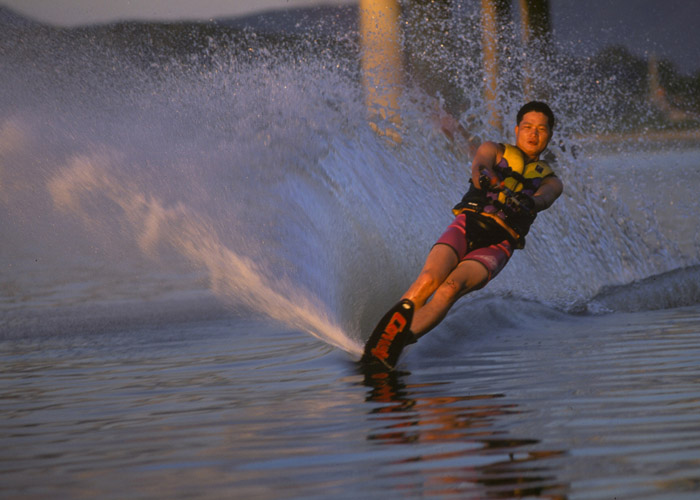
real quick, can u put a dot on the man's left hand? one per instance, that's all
(522, 202)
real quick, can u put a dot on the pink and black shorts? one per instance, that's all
(493, 257)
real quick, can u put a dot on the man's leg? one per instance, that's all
(468, 276)
(441, 261)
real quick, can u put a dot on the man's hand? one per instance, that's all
(521, 203)
(488, 181)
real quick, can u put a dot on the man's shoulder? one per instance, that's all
(492, 149)
(500, 146)
(493, 145)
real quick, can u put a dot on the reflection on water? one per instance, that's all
(594, 408)
(478, 458)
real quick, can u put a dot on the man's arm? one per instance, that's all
(486, 157)
(547, 193)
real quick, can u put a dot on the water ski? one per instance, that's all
(391, 335)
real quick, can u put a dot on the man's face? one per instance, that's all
(532, 133)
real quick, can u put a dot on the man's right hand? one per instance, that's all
(488, 181)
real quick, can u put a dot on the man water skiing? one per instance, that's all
(509, 186)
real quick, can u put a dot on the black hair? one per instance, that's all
(540, 107)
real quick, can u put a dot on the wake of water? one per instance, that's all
(251, 163)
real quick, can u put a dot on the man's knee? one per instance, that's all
(449, 291)
(469, 276)
(475, 275)
(427, 281)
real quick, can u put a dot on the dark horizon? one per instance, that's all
(632, 24)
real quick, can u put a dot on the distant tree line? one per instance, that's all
(442, 56)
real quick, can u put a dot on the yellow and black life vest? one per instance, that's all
(515, 174)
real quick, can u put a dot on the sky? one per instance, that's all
(73, 12)
(667, 28)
